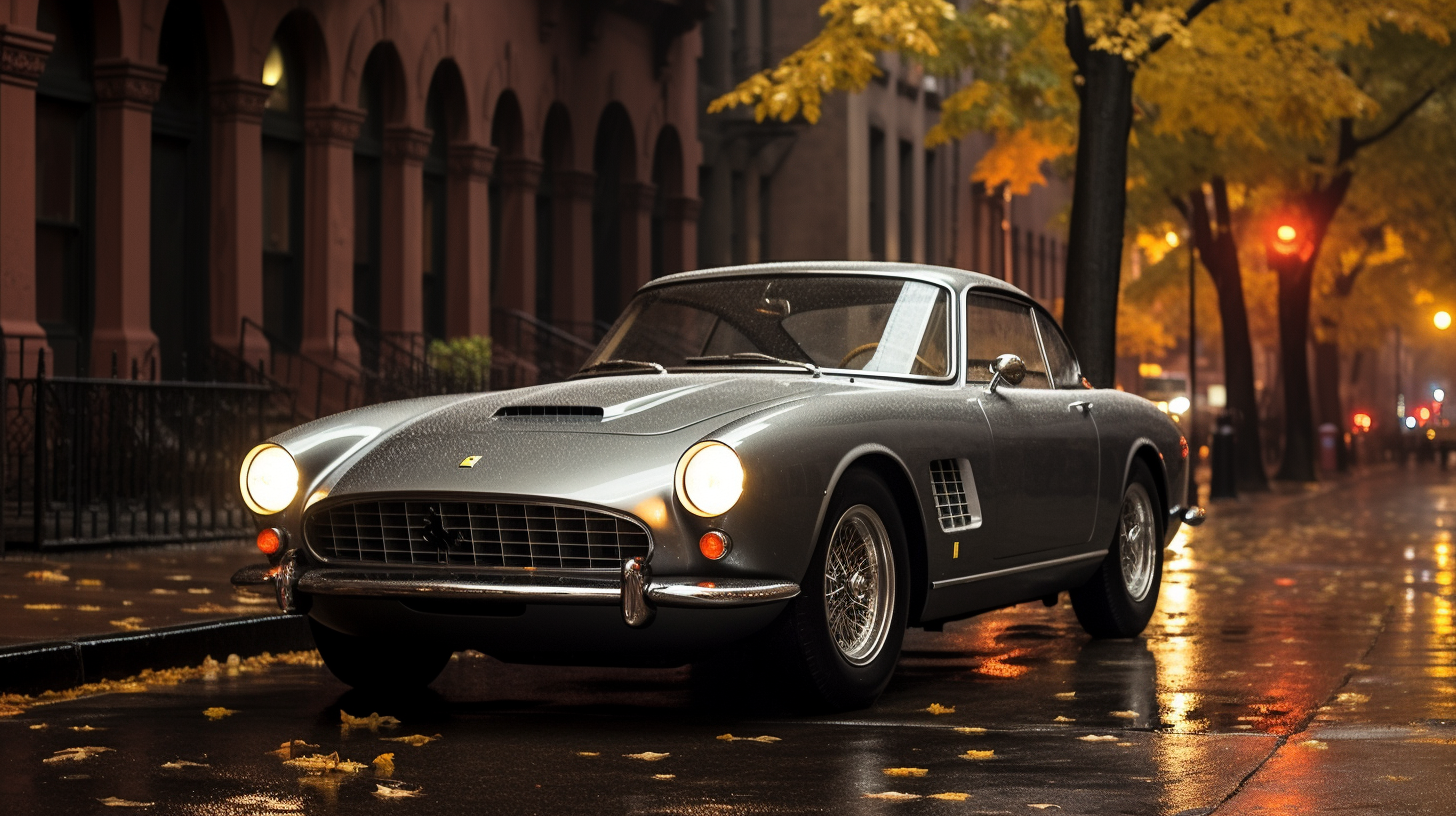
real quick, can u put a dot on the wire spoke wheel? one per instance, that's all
(1137, 542)
(859, 585)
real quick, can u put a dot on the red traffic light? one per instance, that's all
(1362, 421)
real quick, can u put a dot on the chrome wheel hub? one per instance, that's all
(1137, 540)
(859, 585)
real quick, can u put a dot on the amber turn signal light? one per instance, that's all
(270, 540)
(714, 545)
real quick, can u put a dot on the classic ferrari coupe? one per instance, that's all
(804, 458)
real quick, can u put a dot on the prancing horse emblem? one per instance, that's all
(445, 540)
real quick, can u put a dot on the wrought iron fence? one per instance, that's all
(92, 461)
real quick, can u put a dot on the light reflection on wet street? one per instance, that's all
(1303, 659)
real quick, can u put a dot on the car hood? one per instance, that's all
(602, 440)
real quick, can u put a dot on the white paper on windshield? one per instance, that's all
(904, 330)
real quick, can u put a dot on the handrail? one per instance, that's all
(276, 347)
(542, 326)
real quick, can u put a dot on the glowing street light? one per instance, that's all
(1172, 239)
(1410, 422)
(1439, 394)
(1287, 233)
(1442, 320)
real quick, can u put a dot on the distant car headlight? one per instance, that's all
(709, 479)
(269, 479)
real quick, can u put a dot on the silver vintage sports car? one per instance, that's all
(807, 457)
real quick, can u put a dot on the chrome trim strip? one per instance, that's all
(966, 579)
(679, 592)
(716, 593)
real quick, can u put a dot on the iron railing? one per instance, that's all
(113, 461)
(553, 353)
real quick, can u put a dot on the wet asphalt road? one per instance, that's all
(1303, 659)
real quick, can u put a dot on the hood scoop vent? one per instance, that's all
(579, 413)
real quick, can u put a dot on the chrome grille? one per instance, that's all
(951, 505)
(474, 534)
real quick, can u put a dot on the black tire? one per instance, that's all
(371, 665)
(836, 678)
(1116, 603)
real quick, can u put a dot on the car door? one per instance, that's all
(1044, 438)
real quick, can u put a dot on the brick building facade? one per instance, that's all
(188, 175)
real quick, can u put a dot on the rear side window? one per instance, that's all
(1060, 362)
(994, 327)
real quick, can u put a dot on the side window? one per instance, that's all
(1060, 362)
(994, 327)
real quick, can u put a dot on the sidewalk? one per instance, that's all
(81, 616)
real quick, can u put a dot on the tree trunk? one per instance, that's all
(1295, 276)
(1220, 254)
(1099, 203)
(1327, 391)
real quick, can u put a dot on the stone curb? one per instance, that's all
(37, 667)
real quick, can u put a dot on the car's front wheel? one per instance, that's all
(374, 665)
(1118, 601)
(845, 628)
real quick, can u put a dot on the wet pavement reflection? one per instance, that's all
(1303, 659)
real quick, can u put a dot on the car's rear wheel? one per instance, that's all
(374, 665)
(1118, 601)
(845, 628)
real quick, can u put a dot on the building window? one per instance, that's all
(906, 213)
(877, 194)
(932, 251)
(283, 195)
(433, 224)
(64, 185)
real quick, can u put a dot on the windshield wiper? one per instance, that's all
(751, 357)
(621, 364)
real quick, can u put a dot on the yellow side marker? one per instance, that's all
(955, 550)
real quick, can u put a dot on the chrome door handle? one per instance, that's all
(1081, 405)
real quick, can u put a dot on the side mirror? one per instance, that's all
(1007, 368)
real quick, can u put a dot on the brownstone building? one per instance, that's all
(278, 176)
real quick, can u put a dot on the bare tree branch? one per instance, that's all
(1349, 148)
(1198, 7)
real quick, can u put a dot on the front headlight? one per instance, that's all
(709, 479)
(269, 479)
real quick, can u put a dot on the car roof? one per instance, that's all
(957, 279)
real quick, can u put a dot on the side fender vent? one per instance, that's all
(956, 501)
(584, 413)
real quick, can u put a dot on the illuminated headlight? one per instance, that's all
(709, 479)
(269, 479)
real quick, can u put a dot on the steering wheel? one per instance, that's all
(858, 350)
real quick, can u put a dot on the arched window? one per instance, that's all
(667, 164)
(180, 200)
(556, 157)
(506, 137)
(283, 187)
(613, 163)
(381, 98)
(444, 117)
(65, 180)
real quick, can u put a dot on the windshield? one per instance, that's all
(871, 324)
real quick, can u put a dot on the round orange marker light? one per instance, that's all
(270, 540)
(714, 545)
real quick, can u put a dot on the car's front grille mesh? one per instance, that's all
(950, 495)
(474, 534)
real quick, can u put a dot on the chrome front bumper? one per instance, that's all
(638, 593)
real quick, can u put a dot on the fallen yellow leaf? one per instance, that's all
(664, 776)
(1315, 744)
(966, 729)
(48, 576)
(1352, 698)
(86, 728)
(937, 708)
(77, 754)
(978, 755)
(218, 712)
(896, 795)
(90, 582)
(415, 740)
(1063, 719)
(647, 756)
(1044, 807)
(588, 753)
(178, 764)
(325, 762)
(905, 771)
(394, 792)
(287, 750)
(371, 722)
(88, 608)
(1398, 778)
(384, 765)
(44, 607)
(950, 796)
(112, 801)
(1065, 695)
(132, 624)
(1126, 715)
(1095, 738)
(764, 738)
